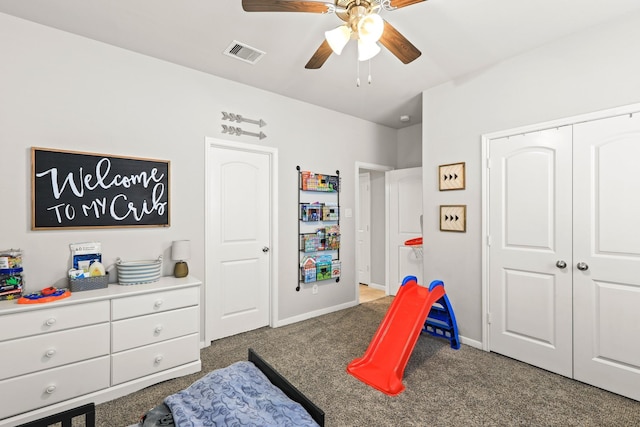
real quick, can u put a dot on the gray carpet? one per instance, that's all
(444, 387)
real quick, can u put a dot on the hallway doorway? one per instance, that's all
(370, 216)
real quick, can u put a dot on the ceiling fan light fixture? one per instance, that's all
(367, 50)
(370, 27)
(338, 38)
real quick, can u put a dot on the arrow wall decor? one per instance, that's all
(453, 218)
(239, 119)
(237, 131)
(234, 130)
(452, 177)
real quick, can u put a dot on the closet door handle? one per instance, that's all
(561, 264)
(582, 266)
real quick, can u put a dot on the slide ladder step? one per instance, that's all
(441, 322)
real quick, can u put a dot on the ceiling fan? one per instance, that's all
(362, 23)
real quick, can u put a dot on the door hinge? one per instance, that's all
(489, 240)
(488, 163)
(488, 318)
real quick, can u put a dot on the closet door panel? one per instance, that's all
(530, 229)
(607, 254)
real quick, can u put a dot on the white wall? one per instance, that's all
(588, 71)
(62, 91)
(410, 147)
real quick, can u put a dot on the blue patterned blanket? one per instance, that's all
(238, 395)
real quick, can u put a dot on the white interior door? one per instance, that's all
(364, 229)
(238, 240)
(405, 211)
(530, 299)
(607, 243)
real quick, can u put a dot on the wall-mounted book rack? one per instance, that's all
(318, 227)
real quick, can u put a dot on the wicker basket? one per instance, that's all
(139, 272)
(89, 283)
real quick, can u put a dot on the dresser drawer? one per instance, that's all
(144, 330)
(156, 302)
(44, 388)
(131, 364)
(51, 319)
(55, 349)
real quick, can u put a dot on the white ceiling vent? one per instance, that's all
(244, 52)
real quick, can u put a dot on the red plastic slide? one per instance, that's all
(382, 365)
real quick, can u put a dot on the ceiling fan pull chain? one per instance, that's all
(358, 73)
(369, 72)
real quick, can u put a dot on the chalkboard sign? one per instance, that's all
(71, 189)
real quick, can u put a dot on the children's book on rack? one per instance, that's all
(324, 239)
(311, 212)
(319, 212)
(308, 269)
(318, 182)
(320, 267)
(323, 267)
(330, 212)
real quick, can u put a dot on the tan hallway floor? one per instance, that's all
(369, 294)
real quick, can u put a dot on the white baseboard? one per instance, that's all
(470, 342)
(312, 314)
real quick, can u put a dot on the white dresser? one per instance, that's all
(96, 346)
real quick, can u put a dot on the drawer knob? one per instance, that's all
(50, 322)
(158, 359)
(158, 329)
(50, 389)
(158, 303)
(50, 353)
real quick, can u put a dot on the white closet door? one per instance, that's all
(607, 242)
(239, 261)
(530, 233)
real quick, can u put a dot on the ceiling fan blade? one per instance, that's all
(285, 6)
(397, 4)
(398, 44)
(319, 57)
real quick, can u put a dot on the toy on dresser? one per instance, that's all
(45, 295)
(11, 281)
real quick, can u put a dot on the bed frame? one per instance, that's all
(289, 389)
(65, 418)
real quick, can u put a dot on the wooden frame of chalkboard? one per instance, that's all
(72, 189)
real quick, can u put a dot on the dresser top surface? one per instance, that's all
(114, 290)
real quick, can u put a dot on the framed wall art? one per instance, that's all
(453, 218)
(71, 189)
(452, 177)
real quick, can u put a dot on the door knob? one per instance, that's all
(561, 264)
(265, 249)
(582, 266)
